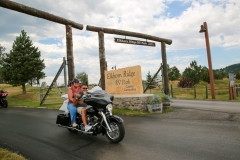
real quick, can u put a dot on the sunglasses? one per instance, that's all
(85, 88)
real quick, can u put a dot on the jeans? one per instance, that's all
(73, 111)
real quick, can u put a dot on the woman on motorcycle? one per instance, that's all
(72, 91)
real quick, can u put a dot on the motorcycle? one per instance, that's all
(3, 98)
(99, 116)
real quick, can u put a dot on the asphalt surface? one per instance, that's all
(183, 134)
(208, 105)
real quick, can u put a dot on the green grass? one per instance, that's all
(128, 112)
(32, 97)
(8, 155)
(168, 110)
(221, 91)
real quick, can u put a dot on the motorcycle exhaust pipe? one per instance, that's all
(59, 125)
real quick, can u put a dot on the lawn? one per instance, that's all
(54, 100)
(221, 91)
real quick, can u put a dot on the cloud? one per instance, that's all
(152, 18)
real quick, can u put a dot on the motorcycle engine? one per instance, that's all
(91, 120)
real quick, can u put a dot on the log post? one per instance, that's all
(70, 59)
(165, 69)
(102, 58)
(38, 13)
(128, 33)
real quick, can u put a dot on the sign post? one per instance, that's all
(232, 92)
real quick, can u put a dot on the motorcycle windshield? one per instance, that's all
(98, 98)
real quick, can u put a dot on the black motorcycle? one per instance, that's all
(3, 98)
(99, 116)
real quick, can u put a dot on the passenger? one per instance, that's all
(75, 88)
(82, 107)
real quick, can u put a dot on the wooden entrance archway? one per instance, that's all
(102, 58)
(69, 24)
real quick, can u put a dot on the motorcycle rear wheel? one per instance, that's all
(5, 103)
(117, 133)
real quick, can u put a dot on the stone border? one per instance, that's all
(131, 101)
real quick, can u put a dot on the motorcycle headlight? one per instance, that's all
(109, 108)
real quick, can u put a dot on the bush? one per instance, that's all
(185, 83)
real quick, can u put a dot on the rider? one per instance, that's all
(82, 107)
(75, 88)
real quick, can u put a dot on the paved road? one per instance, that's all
(184, 134)
(222, 106)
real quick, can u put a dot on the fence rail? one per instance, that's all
(202, 92)
(54, 97)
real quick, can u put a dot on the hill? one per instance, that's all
(235, 68)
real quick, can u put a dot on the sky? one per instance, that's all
(178, 20)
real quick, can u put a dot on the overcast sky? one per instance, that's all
(178, 20)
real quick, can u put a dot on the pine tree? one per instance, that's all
(2, 49)
(23, 63)
(148, 80)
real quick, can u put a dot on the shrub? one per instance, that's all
(185, 83)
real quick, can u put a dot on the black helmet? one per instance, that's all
(75, 80)
(70, 83)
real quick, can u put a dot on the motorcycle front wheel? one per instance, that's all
(117, 133)
(5, 103)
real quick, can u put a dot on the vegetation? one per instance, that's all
(235, 68)
(128, 112)
(17, 66)
(2, 49)
(8, 155)
(83, 77)
(165, 98)
(221, 90)
(173, 73)
(168, 110)
(238, 75)
(154, 100)
(152, 84)
(185, 83)
(196, 73)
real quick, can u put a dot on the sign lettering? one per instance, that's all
(136, 42)
(124, 81)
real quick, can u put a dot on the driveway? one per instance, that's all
(183, 134)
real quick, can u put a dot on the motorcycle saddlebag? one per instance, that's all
(63, 120)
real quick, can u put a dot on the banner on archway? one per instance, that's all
(124, 81)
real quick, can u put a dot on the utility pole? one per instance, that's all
(204, 29)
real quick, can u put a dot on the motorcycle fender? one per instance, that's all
(116, 118)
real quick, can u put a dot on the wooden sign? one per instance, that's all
(136, 42)
(124, 81)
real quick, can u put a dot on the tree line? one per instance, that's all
(192, 75)
(23, 66)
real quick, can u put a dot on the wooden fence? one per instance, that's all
(222, 93)
(54, 97)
